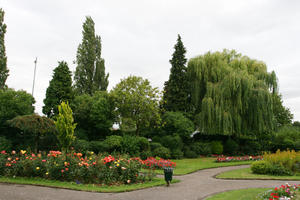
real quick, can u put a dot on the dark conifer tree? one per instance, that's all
(60, 89)
(176, 89)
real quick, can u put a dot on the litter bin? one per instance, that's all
(168, 172)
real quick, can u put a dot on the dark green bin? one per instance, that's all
(168, 172)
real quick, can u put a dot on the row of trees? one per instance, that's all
(221, 93)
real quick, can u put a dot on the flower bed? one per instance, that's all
(71, 167)
(157, 163)
(284, 192)
(237, 158)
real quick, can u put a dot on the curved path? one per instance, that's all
(193, 186)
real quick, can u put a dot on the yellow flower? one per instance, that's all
(92, 152)
(118, 165)
(37, 168)
(90, 158)
(65, 163)
(47, 173)
(23, 151)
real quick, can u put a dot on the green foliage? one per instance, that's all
(98, 146)
(283, 115)
(33, 125)
(65, 126)
(94, 114)
(155, 145)
(231, 94)
(176, 89)
(5, 144)
(201, 148)
(114, 142)
(177, 154)
(162, 152)
(177, 123)
(172, 142)
(90, 71)
(60, 89)
(188, 153)
(286, 137)
(3, 59)
(81, 146)
(260, 167)
(137, 104)
(14, 103)
(216, 147)
(231, 147)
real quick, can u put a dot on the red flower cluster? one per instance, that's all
(54, 153)
(237, 158)
(283, 192)
(158, 163)
(108, 159)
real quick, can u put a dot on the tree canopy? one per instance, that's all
(231, 94)
(137, 103)
(60, 89)
(94, 114)
(33, 124)
(282, 115)
(3, 59)
(90, 71)
(175, 96)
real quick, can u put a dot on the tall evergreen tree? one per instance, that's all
(3, 59)
(59, 90)
(90, 71)
(176, 89)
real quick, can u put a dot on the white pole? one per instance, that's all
(34, 75)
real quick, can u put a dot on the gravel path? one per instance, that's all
(193, 186)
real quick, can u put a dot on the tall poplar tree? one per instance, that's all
(3, 59)
(232, 94)
(59, 90)
(90, 71)
(176, 89)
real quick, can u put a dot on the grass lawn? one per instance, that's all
(247, 174)
(84, 187)
(186, 166)
(245, 194)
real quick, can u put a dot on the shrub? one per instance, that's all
(279, 170)
(98, 146)
(130, 145)
(172, 142)
(188, 153)
(143, 144)
(250, 147)
(162, 152)
(158, 163)
(231, 147)
(260, 167)
(114, 142)
(201, 148)
(285, 158)
(145, 154)
(5, 144)
(155, 145)
(177, 154)
(216, 147)
(81, 146)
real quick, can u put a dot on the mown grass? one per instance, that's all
(246, 173)
(244, 194)
(84, 187)
(186, 166)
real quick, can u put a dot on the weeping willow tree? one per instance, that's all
(231, 94)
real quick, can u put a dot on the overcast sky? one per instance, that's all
(138, 37)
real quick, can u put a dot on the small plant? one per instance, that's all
(284, 192)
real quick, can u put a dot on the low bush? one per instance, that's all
(231, 147)
(285, 158)
(158, 163)
(5, 144)
(114, 142)
(155, 145)
(71, 167)
(177, 154)
(188, 153)
(217, 147)
(260, 167)
(98, 147)
(145, 154)
(162, 152)
(201, 148)
(284, 192)
(81, 146)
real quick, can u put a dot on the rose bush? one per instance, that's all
(55, 165)
(284, 192)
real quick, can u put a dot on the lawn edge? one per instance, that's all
(174, 181)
